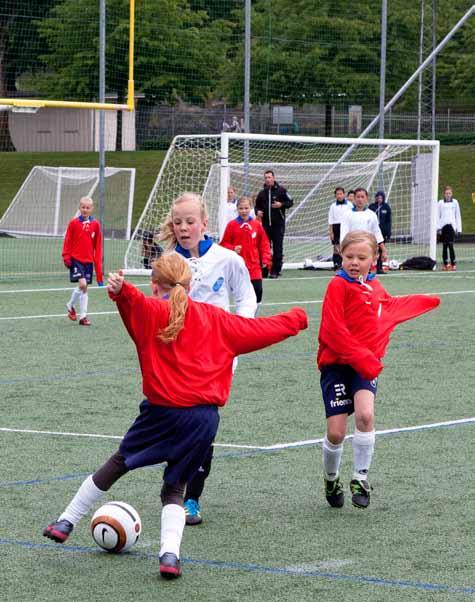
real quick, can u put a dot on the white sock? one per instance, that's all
(258, 308)
(363, 448)
(331, 458)
(83, 305)
(173, 523)
(86, 496)
(74, 297)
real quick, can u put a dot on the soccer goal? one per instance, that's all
(33, 226)
(310, 168)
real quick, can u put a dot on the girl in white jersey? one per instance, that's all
(449, 223)
(218, 275)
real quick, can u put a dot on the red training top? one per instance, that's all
(196, 368)
(254, 242)
(357, 321)
(83, 242)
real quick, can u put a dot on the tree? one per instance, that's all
(18, 38)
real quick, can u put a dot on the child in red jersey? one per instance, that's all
(358, 316)
(247, 237)
(82, 250)
(186, 351)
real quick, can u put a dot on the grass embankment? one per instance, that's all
(456, 169)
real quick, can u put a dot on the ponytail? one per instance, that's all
(172, 272)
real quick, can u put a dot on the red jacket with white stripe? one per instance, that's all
(255, 246)
(83, 242)
(357, 321)
(196, 368)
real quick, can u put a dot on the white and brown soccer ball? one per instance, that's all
(116, 526)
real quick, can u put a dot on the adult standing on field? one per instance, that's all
(271, 203)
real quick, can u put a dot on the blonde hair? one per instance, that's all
(167, 234)
(86, 199)
(172, 272)
(245, 198)
(358, 236)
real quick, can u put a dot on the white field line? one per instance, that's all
(460, 275)
(278, 303)
(275, 447)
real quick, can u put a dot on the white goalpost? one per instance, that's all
(33, 226)
(310, 168)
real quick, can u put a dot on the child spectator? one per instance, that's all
(246, 236)
(449, 222)
(358, 316)
(335, 215)
(383, 213)
(232, 211)
(82, 249)
(184, 383)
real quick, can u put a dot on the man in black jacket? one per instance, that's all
(383, 212)
(271, 203)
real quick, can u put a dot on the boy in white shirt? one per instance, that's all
(362, 218)
(335, 215)
(449, 222)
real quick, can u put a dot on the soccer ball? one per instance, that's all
(116, 526)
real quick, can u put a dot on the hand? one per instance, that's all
(276, 205)
(68, 263)
(238, 248)
(260, 214)
(114, 282)
(384, 256)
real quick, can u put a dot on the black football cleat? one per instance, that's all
(59, 531)
(170, 567)
(334, 493)
(360, 493)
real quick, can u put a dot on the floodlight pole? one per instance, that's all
(102, 94)
(382, 78)
(247, 90)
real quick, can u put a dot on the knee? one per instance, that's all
(336, 436)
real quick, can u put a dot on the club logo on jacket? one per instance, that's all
(218, 284)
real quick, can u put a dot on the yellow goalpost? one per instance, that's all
(38, 103)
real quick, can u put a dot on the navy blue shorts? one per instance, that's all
(339, 384)
(80, 270)
(179, 436)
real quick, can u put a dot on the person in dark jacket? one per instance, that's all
(383, 213)
(271, 203)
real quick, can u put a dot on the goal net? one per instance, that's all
(310, 168)
(32, 228)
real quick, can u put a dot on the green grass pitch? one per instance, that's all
(268, 534)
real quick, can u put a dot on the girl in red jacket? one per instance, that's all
(247, 237)
(358, 316)
(186, 351)
(82, 251)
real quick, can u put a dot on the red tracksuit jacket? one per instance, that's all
(357, 321)
(196, 368)
(83, 242)
(254, 242)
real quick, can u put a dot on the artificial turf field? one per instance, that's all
(69, 393)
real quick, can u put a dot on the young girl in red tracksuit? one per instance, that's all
(186, 351)
(247, 237)
(82, 251)
(358, 316)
